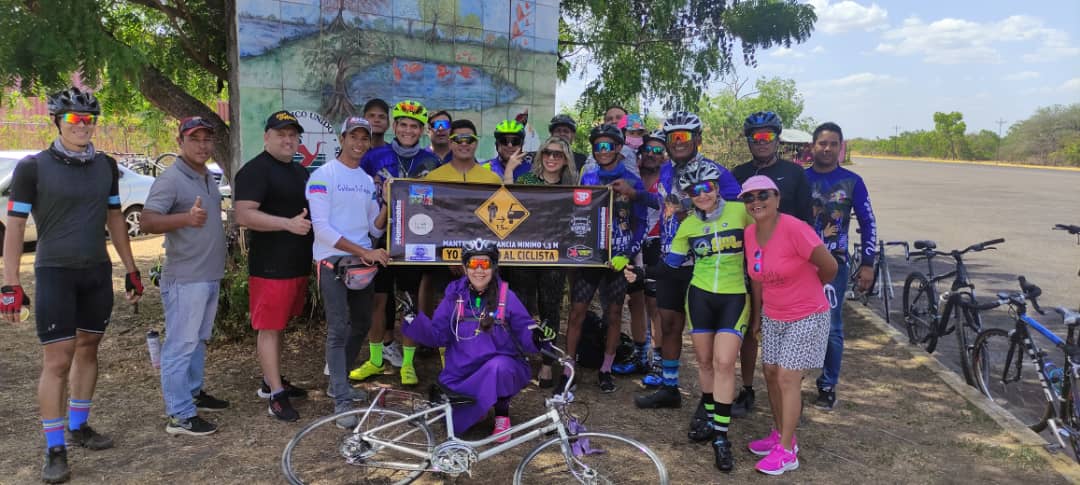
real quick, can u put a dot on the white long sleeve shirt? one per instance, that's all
(343, 204)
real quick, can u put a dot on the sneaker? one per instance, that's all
(86, 437)
(607, 383)
(281, 408)
(724, 458)
(502, 423)
(349, 421)
(408, 376)
(763, 446)
(655, 377)
(293, 391)
(353, 394)
(826, 400)
(778, 461)
(665, 397)
(193, 426)
(206, 402)
(56, 468)
(743, 404)
(367, 369)
(391, 353)
(326, 370)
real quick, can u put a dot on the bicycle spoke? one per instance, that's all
(595, 458)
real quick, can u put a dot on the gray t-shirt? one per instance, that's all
(191, 253)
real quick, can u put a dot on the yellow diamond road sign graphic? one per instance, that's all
(502, 212)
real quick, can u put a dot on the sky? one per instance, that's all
(876, 68)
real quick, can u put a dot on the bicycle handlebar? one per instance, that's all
(907, 248)
(1028, 292)
(1067, 227)
(983, 245)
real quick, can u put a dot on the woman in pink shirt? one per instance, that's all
(788, 267)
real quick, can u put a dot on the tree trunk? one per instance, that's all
(174, 101)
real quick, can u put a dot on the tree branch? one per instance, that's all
(175, 16)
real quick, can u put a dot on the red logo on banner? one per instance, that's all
(582, 197)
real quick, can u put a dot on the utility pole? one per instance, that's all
(999, 122)
(896, 139)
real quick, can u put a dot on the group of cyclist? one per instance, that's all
(755, 256)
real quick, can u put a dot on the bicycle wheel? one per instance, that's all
(611, 460)
(965, 337)
(997, 361)
(1070, 413)
(324, 453)
(882, 282)
(920, 311)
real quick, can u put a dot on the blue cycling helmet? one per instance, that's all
(762, 119)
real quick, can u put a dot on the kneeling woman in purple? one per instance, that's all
(486, 332)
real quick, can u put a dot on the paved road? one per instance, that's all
(958, 205)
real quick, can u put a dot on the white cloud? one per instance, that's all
(1071, 85)
(845, 16)
(856, 80)
(1021, 76)
(818, 50)
(787, 52)
(955, 41)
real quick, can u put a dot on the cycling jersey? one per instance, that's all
(383, 164)
(717, 249)
(789, 178)
(497, 166)
(677, 203)
(835, 194)
(628, 216)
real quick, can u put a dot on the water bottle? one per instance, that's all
(1055, 374)
(153, 344)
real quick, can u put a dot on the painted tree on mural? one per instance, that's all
(669, 50)
(346, 44)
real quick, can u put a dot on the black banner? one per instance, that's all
(534, 225)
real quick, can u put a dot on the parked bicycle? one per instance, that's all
(998, 362)
(389, 446)
(882, 286)
(925, 325)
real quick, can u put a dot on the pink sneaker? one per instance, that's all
(778, 461)
(765, 445)
(502, 423)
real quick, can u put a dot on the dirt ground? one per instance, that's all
(895, 423)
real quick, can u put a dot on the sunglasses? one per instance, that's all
(510, 141)
(706, 187)
(681, 136)
(478, 264)
(603, 147)
(763, 137)
(440, 125)
(464, 139)
(556, 154)
(76, 118)
(761, 195)
(654, 149)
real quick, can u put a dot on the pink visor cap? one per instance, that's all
(758, 182)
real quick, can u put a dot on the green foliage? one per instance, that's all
(724, 113)
(233, 315)
(950, 127)
(1049, 136)
(669, 50)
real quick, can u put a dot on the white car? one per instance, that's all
(134, 189)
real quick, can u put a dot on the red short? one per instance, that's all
(274, 301)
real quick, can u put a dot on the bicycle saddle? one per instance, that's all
(925, 244)
(441, 393)
(1068, 316)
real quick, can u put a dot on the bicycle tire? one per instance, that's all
(882, 284)
(327, 455)
(623, 461)
(966, 332)
(920, 311)
(997, 362)
(1070, 413)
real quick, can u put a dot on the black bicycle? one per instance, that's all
(925, 325)
(882, 285)
(998, 363)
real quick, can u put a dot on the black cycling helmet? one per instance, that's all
(682, 120)
(73, 100)
(479, 247)
(610, 131)
(697, 172)
(562, 120)
(762, 119)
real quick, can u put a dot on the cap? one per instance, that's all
(191, 124)
(758, 182)
(282, 119)
(353, 122)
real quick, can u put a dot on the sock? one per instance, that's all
(710, 405)
(671, 372)
(608, 360)
(78, 412)
(502, 407)
(656, 355)
(375, 351)
(641, 350)
(722, 419)
(54, 432)
(407, 353)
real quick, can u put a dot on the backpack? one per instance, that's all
(590, 351)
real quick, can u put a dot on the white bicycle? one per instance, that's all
(389, 446)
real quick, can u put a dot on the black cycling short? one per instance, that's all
(650, 255)
(671, 290)
(708, 312)
(69, 299)
(612, 286)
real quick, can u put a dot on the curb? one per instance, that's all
(1060, 462)
(969, 162)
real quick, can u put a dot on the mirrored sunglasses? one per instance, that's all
(706, 187)
(762, 137)
(603, 147)
(681, 136)
(476, 263)
(464, 139)
(76, 118)
(440, 125)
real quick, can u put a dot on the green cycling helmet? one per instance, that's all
(509, 127)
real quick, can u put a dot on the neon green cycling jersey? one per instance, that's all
(717, 248)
